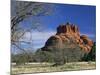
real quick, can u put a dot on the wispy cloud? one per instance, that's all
(38, 38)
(89, 35)
(42, 35)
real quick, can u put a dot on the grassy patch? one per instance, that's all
(46, 67)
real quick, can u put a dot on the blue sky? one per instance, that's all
(81, 15)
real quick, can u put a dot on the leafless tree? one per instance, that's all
(21, 10)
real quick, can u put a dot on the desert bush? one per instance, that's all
(91, 56)
(43, 56)
(20, 59)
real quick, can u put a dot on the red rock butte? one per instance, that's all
(70, 32)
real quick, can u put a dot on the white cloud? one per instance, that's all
(42, 35)
(38, 38)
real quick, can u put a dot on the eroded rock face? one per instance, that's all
(68, 35)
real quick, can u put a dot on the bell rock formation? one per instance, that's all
(68, 35)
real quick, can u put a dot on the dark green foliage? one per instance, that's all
(20, 58)
(73, 54)
(91, 56)
(43, 56)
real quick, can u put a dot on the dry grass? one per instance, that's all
(46, 67)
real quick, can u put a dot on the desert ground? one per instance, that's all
(47, 67)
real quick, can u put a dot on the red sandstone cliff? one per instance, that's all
(69, 33)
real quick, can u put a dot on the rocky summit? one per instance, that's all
(68, 35)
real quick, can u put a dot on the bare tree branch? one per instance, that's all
(23, 10)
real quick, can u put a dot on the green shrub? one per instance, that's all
(91, 56)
